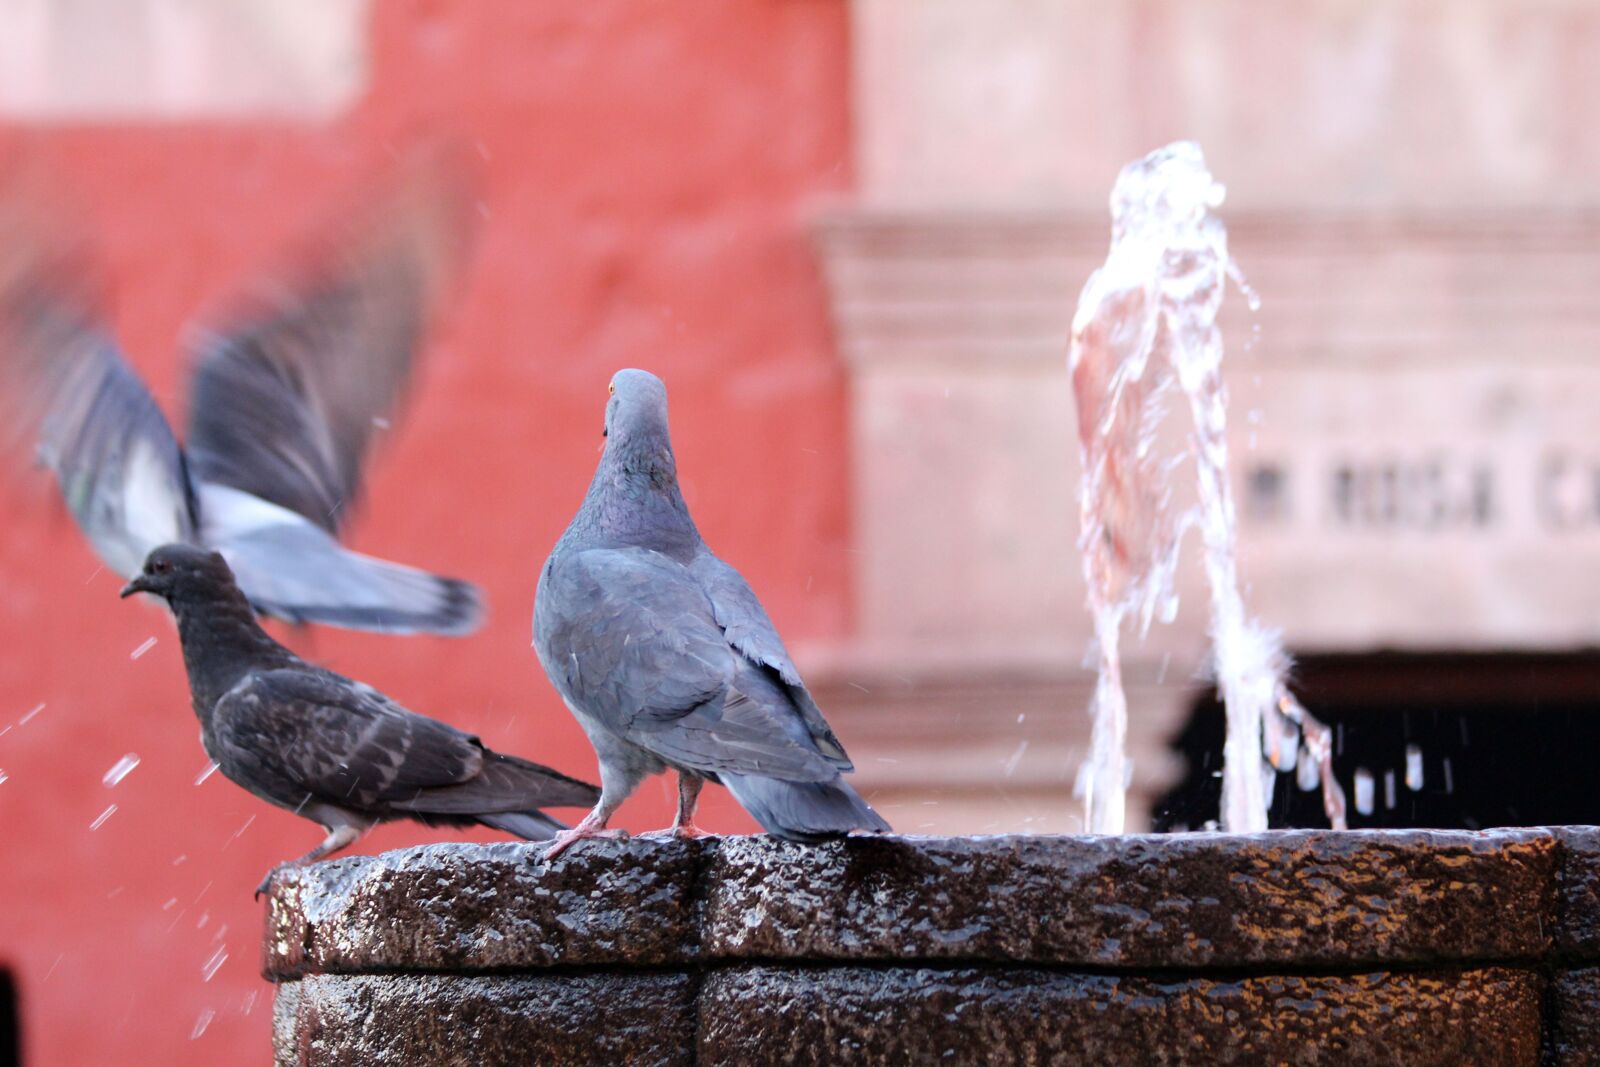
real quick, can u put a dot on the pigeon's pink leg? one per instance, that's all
(683, 826)
(339, 837)
(593, 825)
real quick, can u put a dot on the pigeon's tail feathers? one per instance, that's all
(505, 786)
(294, 571)
(532, 825)
(547, 787)
(803, 811)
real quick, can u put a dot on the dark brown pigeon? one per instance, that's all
(324, 746)
(667, 658)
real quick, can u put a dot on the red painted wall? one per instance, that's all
(649, 168)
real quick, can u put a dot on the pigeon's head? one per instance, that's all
(175, 570)
(637, 410)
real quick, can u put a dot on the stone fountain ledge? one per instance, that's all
(1413, 947)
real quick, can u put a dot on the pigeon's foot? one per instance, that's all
(567, 838)
(338, 837)
(678, 832)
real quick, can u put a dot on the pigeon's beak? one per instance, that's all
(135, 586)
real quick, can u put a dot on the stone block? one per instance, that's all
(1574, 1019)
(467, 908)
(1578, 905)
(853, 1015)
(1309, 899)
(484, 1021)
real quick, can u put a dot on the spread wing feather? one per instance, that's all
(65, 390)
(290, 390)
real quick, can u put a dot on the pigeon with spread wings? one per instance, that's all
(287, 392)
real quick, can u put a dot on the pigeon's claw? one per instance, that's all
(266, 883)
(678, 832)
(566, 838)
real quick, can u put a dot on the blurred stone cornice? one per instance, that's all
(966, 288)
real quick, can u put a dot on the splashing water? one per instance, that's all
(1146, 326)
(120, 770)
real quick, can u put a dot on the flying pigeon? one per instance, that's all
(323, 746)
(666, 657)
(286, 394)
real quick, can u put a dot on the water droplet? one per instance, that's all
(1449, 777)
(239, 832)
(1414, 767)
(1016, 758)
(3, 777)
(1388, 789)
(209, 969)
(104, 815)
(206, 772)
(120, 770)
(146, 646)
(1307, 775)
(1364, 790)
(28, 716)
(201, 1023)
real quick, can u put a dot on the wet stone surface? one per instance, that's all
(1578, 907)
(1304, 947)
(1310, 898)
(1575, 1019)
(445, 1021)
(973, 1016)
(465, 908)
(1175, 901)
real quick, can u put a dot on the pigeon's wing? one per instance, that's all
(295, 571)
(289, 390)
(747, 628)
(65, 390)
(341, 742)
(629, 636)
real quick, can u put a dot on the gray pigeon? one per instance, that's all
(284, 402)
(323, 746)
(667, 658)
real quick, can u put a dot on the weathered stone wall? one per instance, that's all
(1405, 947)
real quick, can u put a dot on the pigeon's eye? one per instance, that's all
(160, 566)
(611, 390)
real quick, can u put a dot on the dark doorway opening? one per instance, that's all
(10, 1023)
(1449, 741)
